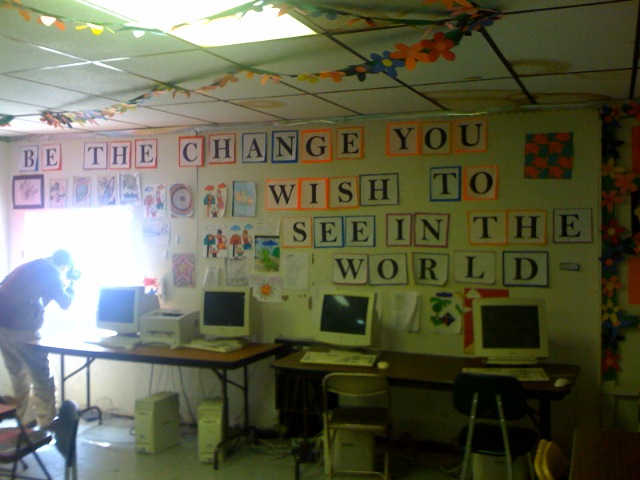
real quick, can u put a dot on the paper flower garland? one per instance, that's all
(462, 19)
(616, 244)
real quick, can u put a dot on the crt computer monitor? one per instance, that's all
(225, 312)
(510, 330)
(120, 308)
(345, 318)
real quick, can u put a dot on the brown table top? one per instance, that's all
(600, 454)
(186, 357)
(432, 371)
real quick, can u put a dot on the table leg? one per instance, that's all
(545, 418)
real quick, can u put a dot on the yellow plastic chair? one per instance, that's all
(375, 420)
(550, 462)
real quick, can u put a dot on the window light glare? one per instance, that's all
(248, 28)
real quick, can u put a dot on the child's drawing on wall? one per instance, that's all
(215, 241)
(106, 190)
(154, 201)
(267, 254)
(240, 241)
(215, 200)
(57, 192)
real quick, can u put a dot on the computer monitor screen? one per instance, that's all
(120, 308)
(225, 312)
(346, 318)
(510, 330)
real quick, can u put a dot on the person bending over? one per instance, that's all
(24, 294)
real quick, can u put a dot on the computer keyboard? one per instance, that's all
(339, 357)
(524, 374)
(117, 341)
(219, 346)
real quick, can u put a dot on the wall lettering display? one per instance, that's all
(403, 139)
(530, 269)
(314, 193)
(327, 194)
(316, 146)
(379, 189)
(572, 225)
(120, 155)
(431, 230)
(191, 151)
(146, 153)
(480, 183)
(474, 267)
(351, 269)
(470, 135)
(349, 143)
(444, 184)
(222, 148)
(282, 195)
(436, 138)
(95, 155)
(527, 227)
(388, 269)
(297, 232)
(343, 192)
(360, 231)
(254, 147)
(328, 232)
(28, 159)
(509, 227)
(487, 227)
(51, 157)
(399, 229)
(284, 146)
(430, 268)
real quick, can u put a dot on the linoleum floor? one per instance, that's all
(107, 452)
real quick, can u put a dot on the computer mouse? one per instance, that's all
(562, 382)
(382, 365)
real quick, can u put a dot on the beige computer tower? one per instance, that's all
(211, 429)
(352, 450)
(157, 422)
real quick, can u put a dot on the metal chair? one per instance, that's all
(18, 442)
(376, 420)
(493, 403)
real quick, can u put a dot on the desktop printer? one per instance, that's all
(168, 327)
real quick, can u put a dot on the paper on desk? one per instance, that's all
(404, 312)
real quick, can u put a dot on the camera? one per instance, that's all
(73, 274)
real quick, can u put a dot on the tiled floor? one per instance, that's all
(107, 452)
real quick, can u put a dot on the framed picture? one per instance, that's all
(28, 191)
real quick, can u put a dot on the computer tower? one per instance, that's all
(211, 429)
(352, 450)
(157, 422)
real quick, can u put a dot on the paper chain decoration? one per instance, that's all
(462, 20)
(616, 183)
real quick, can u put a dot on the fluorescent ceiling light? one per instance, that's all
(235, 29)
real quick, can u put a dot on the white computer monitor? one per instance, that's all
(120, 308)
(225, 312)
(346, 318)
(510, 330)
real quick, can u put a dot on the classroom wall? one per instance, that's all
(572, 296)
